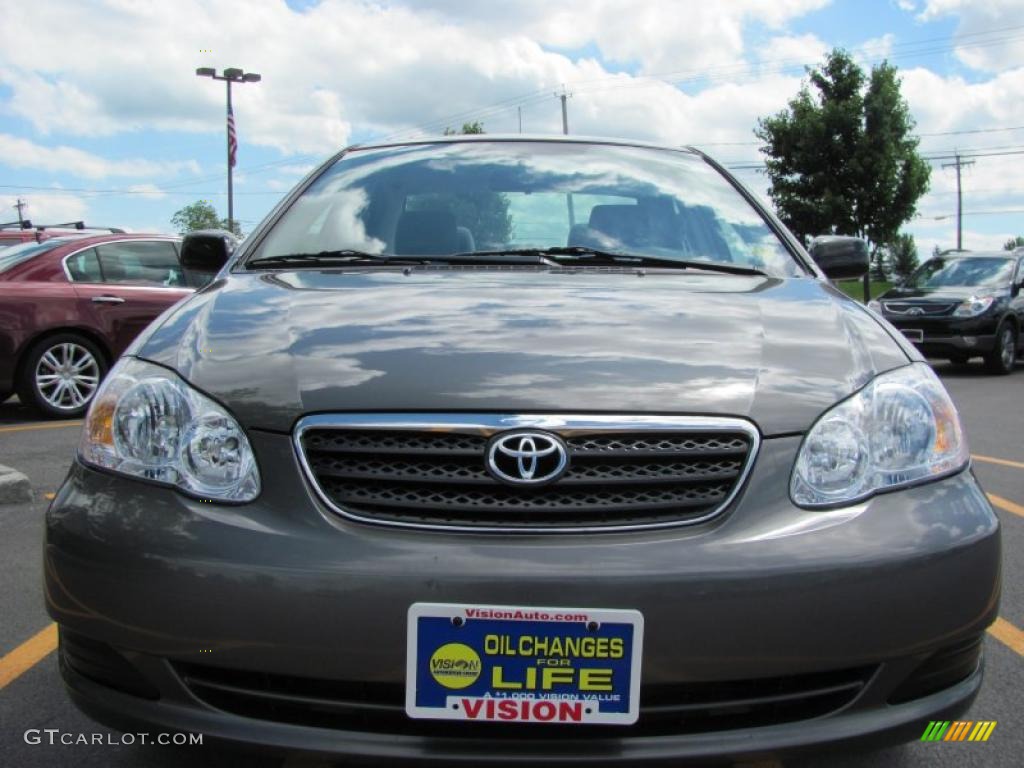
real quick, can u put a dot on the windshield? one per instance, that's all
(463, 197)
(962, 271)
(16, 254)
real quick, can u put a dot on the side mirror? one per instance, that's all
(207, 250)
(840, 256)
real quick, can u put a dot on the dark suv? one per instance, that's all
(961, 305)
(506, 450)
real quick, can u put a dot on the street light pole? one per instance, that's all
(230, 75)
(231, 162)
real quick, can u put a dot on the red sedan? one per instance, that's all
(70, 305)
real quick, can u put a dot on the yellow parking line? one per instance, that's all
(993, 460)
(27, 655)
(44, 425)
(1008, 635)
(1005, 504)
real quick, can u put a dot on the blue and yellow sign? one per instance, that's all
(523, 664)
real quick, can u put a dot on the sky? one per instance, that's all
(102, 117)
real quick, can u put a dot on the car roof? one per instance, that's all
(461, 138)
(96, 239)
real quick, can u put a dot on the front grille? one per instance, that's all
(665, 709)
(431, 471)
(929, 308)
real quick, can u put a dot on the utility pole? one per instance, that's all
(565, 131)
(959, 198)
(565, 110)
(19, 205)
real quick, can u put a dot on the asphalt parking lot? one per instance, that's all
(32, 695)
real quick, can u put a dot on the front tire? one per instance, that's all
(1001, 359)
(61, 374)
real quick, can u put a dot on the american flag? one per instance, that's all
(232, 138)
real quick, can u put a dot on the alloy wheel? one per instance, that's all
(67, 376)
(1006, 347)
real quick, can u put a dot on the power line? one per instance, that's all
(709, 75)
(712, 75)
(972, 213)
(121, 191)
(963, 132)
(87, 193)
(1015, 149)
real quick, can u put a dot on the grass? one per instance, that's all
(855, 288)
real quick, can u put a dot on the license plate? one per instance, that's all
(913, 334)
(523, 664)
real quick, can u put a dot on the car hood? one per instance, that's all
(944, 294)
(275, 346)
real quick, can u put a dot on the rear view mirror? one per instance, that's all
(207, 250)
(840, 256)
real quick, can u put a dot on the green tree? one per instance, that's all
(902, 255)
(201, 215)
(842, 158)
(1013, 242)
(484, 213)
(467, 128)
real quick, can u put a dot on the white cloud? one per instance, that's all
(789, 49)
(876, 48)
(951, 103)
(16, 152)
(928, 234)
(342, 61)
(659, 35)
(349, 66)
(981, 43)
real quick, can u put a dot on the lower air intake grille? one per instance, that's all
(664, 709)
(434, 470)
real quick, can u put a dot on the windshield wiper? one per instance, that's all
(560, 254)
(344, 256)
(555, 256)
(348, 256)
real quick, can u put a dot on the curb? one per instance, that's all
(14, 486)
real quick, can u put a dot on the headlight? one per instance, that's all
(974, 306)
(146, 422)
(875, 305)
(900, 429)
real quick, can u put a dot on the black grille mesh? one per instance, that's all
(439, 478)
(665, 709)
(927, 308)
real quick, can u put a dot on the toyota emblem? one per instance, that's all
(527, 458)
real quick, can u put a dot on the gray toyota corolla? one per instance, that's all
(523, 449)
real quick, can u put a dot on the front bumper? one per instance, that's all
(947, 335)
(282, 586)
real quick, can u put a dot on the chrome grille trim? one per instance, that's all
(572, 427)
(928, 309)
